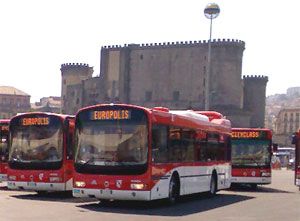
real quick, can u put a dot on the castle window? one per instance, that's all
(77, 101)
(141, 57)
(65, 81)
(176, 95)
(148, 95)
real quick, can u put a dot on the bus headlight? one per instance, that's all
(54, 179)
(80, 184)
(12, 178)
(265, 174)
(138, 186)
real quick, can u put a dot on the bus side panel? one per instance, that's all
(194, 178)
(3, 171)
(297, 161)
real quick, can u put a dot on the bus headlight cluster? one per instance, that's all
(138, 186)
(265, 174)
(54, 179)
(80, 184)
(12, 178)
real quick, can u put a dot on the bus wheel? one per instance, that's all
(213, 185)
(173, 190)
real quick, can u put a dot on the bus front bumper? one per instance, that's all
(112, 194)
(254, 180)
(36, 186)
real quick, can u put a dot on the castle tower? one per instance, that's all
(226, 74)
(255, 98)
(72, 75)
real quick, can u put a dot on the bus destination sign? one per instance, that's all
(111, 115)
(31, 121)
(246, 134)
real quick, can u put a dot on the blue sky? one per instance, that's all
(38, 36)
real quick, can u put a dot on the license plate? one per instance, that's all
(31, 184)
(76, 191)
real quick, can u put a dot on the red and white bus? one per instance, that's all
(251, 156)
(4, 125)
(296, 141)
(40, 152)
(127, 152)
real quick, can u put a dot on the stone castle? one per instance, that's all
(172, 75)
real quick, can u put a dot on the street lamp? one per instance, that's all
(211, 11)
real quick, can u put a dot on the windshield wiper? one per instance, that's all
(15, 159)
(83, 162)
(243, 159)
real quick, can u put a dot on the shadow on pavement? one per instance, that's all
(53, 196)
(186, 206)
(4, 188)
(259, 189)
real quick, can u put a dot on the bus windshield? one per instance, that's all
(113, 142)
(37, 143)
(251, 152)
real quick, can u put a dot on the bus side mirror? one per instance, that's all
(294, 139)
(275, 147)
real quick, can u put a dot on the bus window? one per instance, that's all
(159, 144)
(188, 145)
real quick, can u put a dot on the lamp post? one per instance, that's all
(211, 11)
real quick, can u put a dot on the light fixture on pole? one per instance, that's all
(211, 11)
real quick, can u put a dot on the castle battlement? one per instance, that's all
(214, 43)
(256, 78)
(72, 65)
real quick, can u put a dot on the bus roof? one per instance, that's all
(190, 113)
(4, 121)
(43, 113)
(195, 119)
(250, 129)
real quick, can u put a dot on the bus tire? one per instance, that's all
(174, 189)
(213, 187)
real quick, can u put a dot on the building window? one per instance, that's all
(65, 81)
(292, 117)
(141, 57)
(291, 128)
(285, 117)
(148, 95)
(176, 95)
(285, 128)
